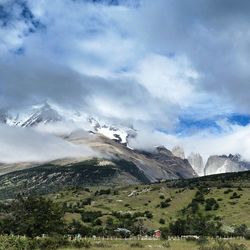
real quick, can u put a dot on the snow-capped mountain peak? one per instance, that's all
(49, 113)
(32, 116)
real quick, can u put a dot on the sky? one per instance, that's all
(177, 70)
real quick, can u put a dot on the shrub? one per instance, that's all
(87, 201)
(165, 203)
(90, 216)
(33, 217)
(240, 230)
(247, 235)
(228, 191)
(97, 222)
(162, 221)
(164, 233)
(103, 192)
(148, 214)
(25, 243)
(50, 243)
(179, 227)
(211, 204)
(235, 196)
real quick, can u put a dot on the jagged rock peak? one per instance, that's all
(222, 164)
(196, 161)
(163, 150)
(42, 114)
(178, 152)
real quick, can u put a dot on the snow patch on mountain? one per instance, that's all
(39, 114)
(120, 134)
(49, 114)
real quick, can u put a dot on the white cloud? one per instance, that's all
(167, 78)
(235, 139)
(27, 145)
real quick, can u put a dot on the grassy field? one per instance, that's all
(148, 198)
(157, 244)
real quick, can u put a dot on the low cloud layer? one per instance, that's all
(28, 145)
(233, 140)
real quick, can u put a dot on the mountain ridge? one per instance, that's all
(48, 114)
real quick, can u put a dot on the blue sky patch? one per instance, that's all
(240, 119)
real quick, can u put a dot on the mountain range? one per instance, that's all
(215, 164)
(112, 143)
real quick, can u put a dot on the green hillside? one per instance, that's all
(96, 200)
(208, 206)
(50, 177)
(162, 203)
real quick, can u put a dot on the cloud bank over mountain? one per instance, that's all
(174, 69)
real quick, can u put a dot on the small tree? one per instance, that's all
(35, 216)
(241, 230)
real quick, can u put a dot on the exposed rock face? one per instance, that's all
(178, 152)
(196, 161)
(223, 164)
(157, 165)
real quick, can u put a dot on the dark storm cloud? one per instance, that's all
(25, 82)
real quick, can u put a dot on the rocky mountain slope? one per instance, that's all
(124, 166)
(160, 164)
(52, 177)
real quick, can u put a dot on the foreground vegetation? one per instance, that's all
(62, 243)
(199, 207)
